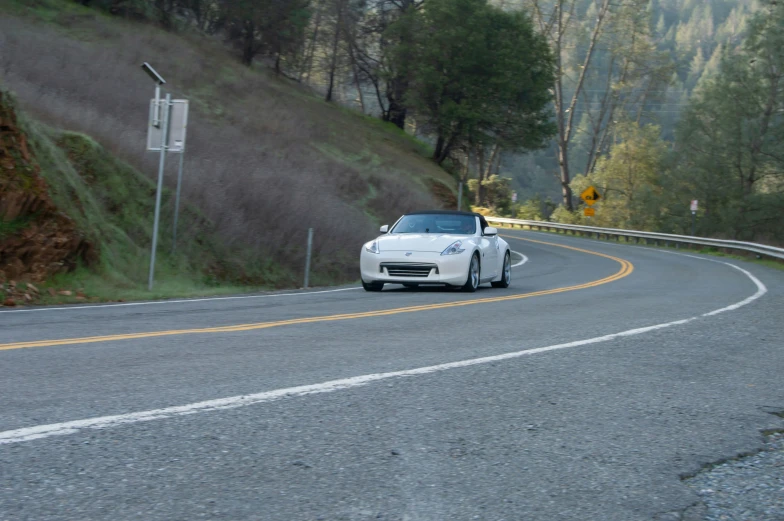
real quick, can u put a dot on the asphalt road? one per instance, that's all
(582, 392)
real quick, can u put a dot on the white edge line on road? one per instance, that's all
(181, 301)
(103, 422)
(523, 260)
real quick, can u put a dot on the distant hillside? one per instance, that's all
(266, 160)
(689, 34)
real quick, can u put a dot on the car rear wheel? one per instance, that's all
(472, 281)
(372, 286)
(506, 276)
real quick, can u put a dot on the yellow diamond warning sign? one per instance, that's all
(590, 195)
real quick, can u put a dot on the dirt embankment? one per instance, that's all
(36, 239)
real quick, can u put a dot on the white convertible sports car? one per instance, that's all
(437, 247)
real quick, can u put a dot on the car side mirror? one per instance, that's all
(384, 229)
(491, 231)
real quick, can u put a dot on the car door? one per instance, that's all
(489, 246)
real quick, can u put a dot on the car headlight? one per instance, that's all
(372, 247)
(454, 248)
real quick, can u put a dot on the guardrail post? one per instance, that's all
(307, 257)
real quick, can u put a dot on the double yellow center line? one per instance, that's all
(626, 269)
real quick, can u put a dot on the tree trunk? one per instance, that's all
(355, 69)
(335, 41)
(596, 126)
(563, 141)
(249, 44)
(164, 9)
(397, 86)
(485, 170)
(480, 195)
(443, 148)
(466, 167)
(439, 147)
(307, 66)
(565, 115)
(396, 112)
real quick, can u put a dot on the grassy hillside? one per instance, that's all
(266, 159)
(76, 219)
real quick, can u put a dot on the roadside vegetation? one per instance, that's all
(723, 148)
(268, 157)
(339, 115)
(80, 229)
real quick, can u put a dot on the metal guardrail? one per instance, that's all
(666, 238)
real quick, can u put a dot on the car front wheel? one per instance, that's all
(372, 286)
(472, 281)
(506, 276)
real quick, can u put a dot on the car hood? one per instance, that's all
(419, 242)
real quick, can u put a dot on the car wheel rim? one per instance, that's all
(475, 272)
(507, 270)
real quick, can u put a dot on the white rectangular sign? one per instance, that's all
(694, 205)
(178, 125)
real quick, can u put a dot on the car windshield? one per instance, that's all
(436, 223)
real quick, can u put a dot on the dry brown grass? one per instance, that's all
(265, 159)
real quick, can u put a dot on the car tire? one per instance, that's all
(474, 271)
(506, 275)
(372, 286)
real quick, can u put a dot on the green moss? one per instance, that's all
(8, 228)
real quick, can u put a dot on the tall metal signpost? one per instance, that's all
(165, 133)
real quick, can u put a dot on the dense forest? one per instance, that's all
(655, 102)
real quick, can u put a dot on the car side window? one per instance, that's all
(483, 224)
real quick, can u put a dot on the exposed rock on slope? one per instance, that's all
(36, 240)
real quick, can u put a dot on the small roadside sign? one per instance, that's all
(589, 212)
(178, 126)
(694, 205)
(590, 195)
(514, 197)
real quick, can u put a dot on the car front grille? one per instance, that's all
(406, 269)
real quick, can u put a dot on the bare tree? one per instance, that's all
(339, 9)
(555, 25)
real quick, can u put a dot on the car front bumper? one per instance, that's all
(416, 268)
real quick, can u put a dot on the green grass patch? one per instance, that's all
(62, 13)
(8, 228)
(750, 257)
